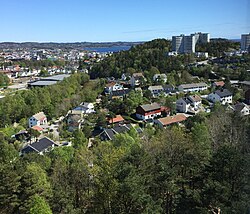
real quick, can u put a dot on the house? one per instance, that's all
(193, 87)
(166, 121)
(109, 134)
(120, 94)
(169, 89)
(218, 84)
(74, 120)
(116, 119)
(148, 111)
(247, 97)
(113, 86)
(38, 119)
(22, 135)
(160, 78)
(41, 146)
(137, 79)
(224, 96)
(190, 103)
(242, 108)
(156, 90)
(195, 101)
(85, 108)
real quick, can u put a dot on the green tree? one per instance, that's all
(38, 205)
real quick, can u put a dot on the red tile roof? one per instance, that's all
(172, 119)
(220, 83)
(117, 119)
(38, 128)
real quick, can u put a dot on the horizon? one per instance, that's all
(102, 41)
(111, 21)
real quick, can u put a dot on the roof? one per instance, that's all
(155, 87)
(59, 77)
(245, 83)
(223, 93)
(42, 83)
(116, 130)
(172, 119)
(39, 146)
(39, 116)
(193, 85)
(37, 128)
(76, 111)
(137, 75)
(150, 107)
(120, 93)
(220, 83)
(117, 119)
(195, 98)
(240, 106)
(168, 86)
(110, 84)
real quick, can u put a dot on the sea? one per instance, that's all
(108, 49)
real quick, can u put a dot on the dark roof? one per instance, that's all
(245, 83)
(150, 107)
(120, 93)
(110, 133)
(42, 83)
(239, 106)
(39, 146)
(223, 93)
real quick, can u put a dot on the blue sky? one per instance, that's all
(120, 20)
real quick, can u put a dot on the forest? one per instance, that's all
(200, 168)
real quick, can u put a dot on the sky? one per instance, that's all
(120, 20)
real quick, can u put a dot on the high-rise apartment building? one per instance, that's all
(245, 42)
(186, 44)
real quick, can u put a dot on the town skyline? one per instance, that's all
(111, 21)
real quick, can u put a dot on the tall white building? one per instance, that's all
(186, 44)
(245, 42)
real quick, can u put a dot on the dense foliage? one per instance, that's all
(203, 168)
(141, 58)
(217, 47)
(4, 80)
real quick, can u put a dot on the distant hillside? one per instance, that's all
(54, 45)
(141, 58)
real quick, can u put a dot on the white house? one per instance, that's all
(182, 105)
(224, 96)
(160, 77)
(190, 103)
(242, 108)
(156, 90)
(85, 108)
(195, 101)
(113, 86)
(38, 119)
(136, 79)
(193, 87)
